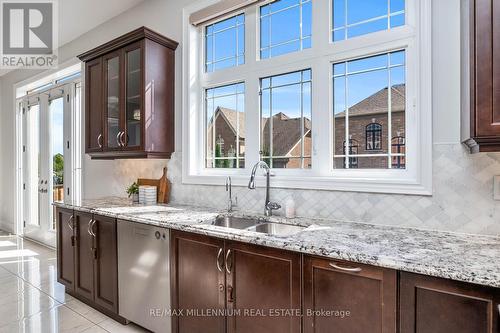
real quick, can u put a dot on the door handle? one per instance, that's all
(346, 269)
(228, 268)
(99, 140)
(219, 254)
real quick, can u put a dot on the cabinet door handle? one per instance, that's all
(124, 143)
(92, 228)
(219, 254)
(346, 269)
(70, 223)
(118, 139)
(99, 140)
(228, 268)
(88, 227)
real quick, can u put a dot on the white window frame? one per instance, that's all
(415, 37)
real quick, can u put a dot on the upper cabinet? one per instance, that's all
(481, 75)
(129, 97)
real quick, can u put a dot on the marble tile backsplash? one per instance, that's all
(462, 199)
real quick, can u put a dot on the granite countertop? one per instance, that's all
(463, 257)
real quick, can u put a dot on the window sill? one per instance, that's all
(371, 185)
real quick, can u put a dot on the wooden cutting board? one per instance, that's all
(163, 186)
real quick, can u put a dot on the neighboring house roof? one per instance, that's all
(287, 133)
(377, 103)
(231, 117)
(286, 130)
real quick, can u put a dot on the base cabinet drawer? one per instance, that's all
(347, 297)
(434, 305)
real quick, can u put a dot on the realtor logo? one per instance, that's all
(28, 34)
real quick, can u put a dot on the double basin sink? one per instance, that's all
(257, 225)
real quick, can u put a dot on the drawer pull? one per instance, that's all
(346, 269)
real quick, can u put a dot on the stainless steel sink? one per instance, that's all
(277, 229)
(257, 225)
(234, 222)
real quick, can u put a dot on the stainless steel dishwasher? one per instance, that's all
(144, 275)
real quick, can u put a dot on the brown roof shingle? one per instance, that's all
(377, 103)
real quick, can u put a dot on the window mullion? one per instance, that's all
(252, 114)
(321, 117)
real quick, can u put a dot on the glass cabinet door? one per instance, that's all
(133, 98)
(113, 101)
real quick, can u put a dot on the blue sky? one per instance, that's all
(56, 118)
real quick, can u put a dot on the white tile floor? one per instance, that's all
(31, 299)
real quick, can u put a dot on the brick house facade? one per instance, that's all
(368, 133)
(373, 110)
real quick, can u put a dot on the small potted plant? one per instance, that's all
(133, 192)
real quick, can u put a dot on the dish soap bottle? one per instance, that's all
(290, 208)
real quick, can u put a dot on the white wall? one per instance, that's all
(454, 170)
(99, 177)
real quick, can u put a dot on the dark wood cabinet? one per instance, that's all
(84, 263)
(481, 75)
(129, 97)
(266, 281)
(87, 259)
(105, 262)
(197, 282)
(249, 283)
(437, 305)
(348, 297)
(94, 106)
(65, 248)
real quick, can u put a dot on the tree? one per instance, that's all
(58, 166)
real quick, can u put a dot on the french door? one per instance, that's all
(47, 169)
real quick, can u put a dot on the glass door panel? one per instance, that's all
(133, 98)
(56, 111)
(113, 101)
(32, 183)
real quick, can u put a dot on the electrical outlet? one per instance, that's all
(496, 187)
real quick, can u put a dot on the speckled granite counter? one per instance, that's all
(463, 257)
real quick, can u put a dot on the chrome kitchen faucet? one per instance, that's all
(268, 206)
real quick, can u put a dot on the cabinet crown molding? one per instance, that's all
(128, 38)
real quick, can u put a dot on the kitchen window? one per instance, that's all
(352, 18)
(225, 43)
(225, 126)
(349, 113)
(369, 92)
(295, 15)
(286, 120)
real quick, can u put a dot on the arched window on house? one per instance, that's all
(398, 148)
(353, 150)
(373, 134)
